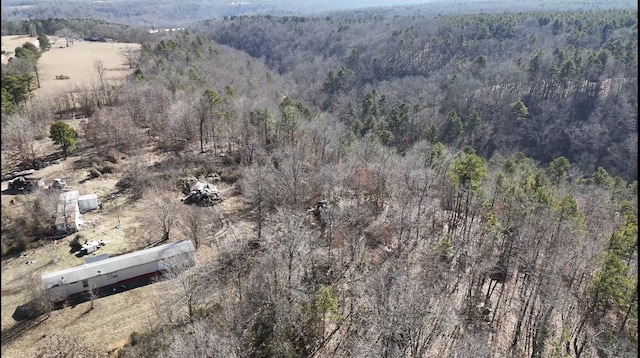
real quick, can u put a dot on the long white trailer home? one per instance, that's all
(114, 271)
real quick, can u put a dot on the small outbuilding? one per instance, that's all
(115, 271)
(87, 202)
(68, 219)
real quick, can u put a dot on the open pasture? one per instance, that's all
(77, 62)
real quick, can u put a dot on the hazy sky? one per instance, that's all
(321, 5)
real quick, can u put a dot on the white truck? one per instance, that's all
(91, 246)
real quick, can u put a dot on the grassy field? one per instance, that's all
(114, 318)
(76, 61)
(109, 325)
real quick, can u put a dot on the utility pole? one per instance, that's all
(115, 198)
(118, 213)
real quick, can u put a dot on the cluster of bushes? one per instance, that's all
(22, 232)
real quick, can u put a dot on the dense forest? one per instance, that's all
(547, 84)
(173, 13)
(421, 185)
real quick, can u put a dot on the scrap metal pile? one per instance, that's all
(203, 194)
(23, 184)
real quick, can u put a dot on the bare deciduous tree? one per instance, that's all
(38, 295)
(18, 138)
(66, 33)
(163, 213)
(99, 67)
(194, 221)
(130, 56)
(190, 284)
(93, 295)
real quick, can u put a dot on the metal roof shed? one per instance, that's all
(87, 202)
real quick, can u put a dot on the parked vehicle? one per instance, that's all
(58, 184)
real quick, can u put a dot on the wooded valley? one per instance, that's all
(419, 184)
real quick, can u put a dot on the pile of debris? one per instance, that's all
(25, 185)
(202, 194)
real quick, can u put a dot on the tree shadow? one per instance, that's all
(17, 192)
(14, 332)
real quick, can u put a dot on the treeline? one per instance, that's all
(574, 72)
(139, 13)
(168, 13)
(21, 75)
(74, 29)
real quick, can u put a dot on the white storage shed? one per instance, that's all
(68, 218)
(87, 202)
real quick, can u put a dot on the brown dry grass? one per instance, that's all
(109, 325)
(115, 317)
(76, 61)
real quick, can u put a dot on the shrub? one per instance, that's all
(17, 246)
(134, 338)
(111, 157)
(76, 244)
(107, 169)
(94, 173)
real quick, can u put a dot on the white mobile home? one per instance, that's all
(110, 272)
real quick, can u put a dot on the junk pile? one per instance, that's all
(25, 185)
(202, 194)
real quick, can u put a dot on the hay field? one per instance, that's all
(76, 61)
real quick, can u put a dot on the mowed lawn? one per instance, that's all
(78, 62)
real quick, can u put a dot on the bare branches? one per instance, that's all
(100, 69)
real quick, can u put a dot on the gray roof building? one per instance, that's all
(116, 264)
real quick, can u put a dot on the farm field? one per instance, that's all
(9, 44)
(76, 61)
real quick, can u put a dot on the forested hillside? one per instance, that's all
(172, 13)
(548, 84)
(411, 185)
(362, 250)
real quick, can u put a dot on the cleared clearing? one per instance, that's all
(9, 44)
(108, 326)
(76, 61)
(114, 318)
